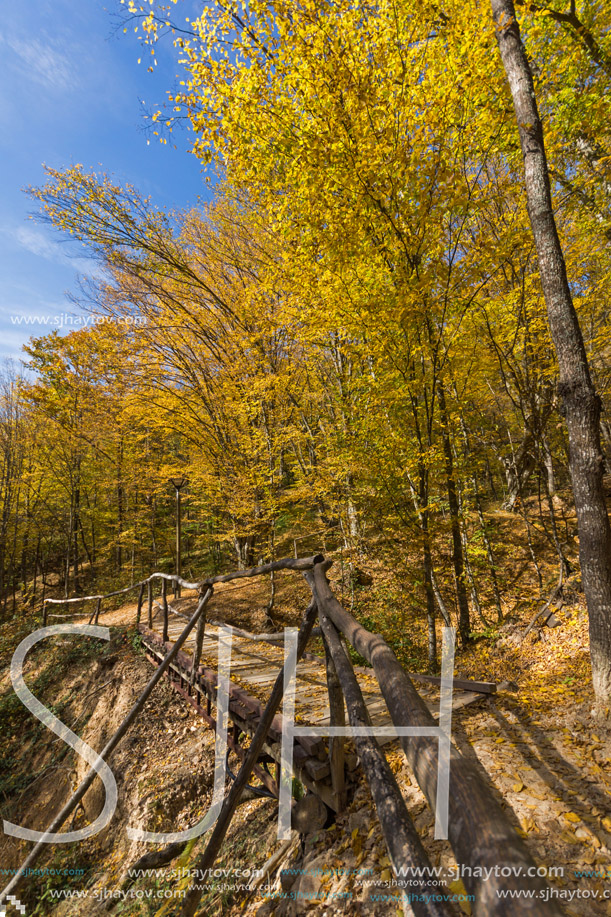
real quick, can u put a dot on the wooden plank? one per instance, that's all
(260, 679)
(458, 684)
(463, 700)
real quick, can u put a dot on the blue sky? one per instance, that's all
(72, 91)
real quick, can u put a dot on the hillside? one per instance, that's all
(536, 742)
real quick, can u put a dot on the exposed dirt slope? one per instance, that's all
(536, 743)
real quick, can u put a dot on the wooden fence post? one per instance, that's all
(199, 643)
(164, 594)
(97, 611)
(150, 602)
(337, 718)
(140, 601)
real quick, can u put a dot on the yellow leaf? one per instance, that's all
(457, 888)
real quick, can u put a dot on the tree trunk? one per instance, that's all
(462, 601)
(245, 550)
(120, 506)
(470, 462)
(518, 468)
(579, 401)
(427, 569)
(605, 432)
(36, 562)
(75, 531)
(549, 465)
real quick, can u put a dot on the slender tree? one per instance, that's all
(580, 403)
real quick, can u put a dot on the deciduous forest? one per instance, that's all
(385, 337)
(352, 338)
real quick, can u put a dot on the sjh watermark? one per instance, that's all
(442, 733)
(68, 320)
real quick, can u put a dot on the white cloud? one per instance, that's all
(12, 341)
(36, 242)
(43, 62)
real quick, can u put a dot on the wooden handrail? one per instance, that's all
(462, 684)
(207, 858)
(286, 563)
(478, 830)
(110, 746)
(405, 849)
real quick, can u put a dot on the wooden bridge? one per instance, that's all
(255, 663)
(498, 864)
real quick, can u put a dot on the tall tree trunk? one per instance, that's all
(75, 531)
(564, 564)
(427, 568)
(43, 574)
(605, 432)
(469, 576)
(470, 462)
(245, 550)
(36, 562)
(66, 564)
(120, 505)
(462, 600)
(548, 461)
(119, 551)
(580, 403)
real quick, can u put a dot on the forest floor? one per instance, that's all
(536, 742)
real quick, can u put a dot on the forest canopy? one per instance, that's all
(353, 336)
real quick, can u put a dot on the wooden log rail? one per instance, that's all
(110, 746)
(402, 839)
(288, 563)
(481, 836)
(494, 858)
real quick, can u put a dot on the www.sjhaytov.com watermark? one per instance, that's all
(67, 320)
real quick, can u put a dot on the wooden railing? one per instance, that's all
(289, 563)
(496, 860)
